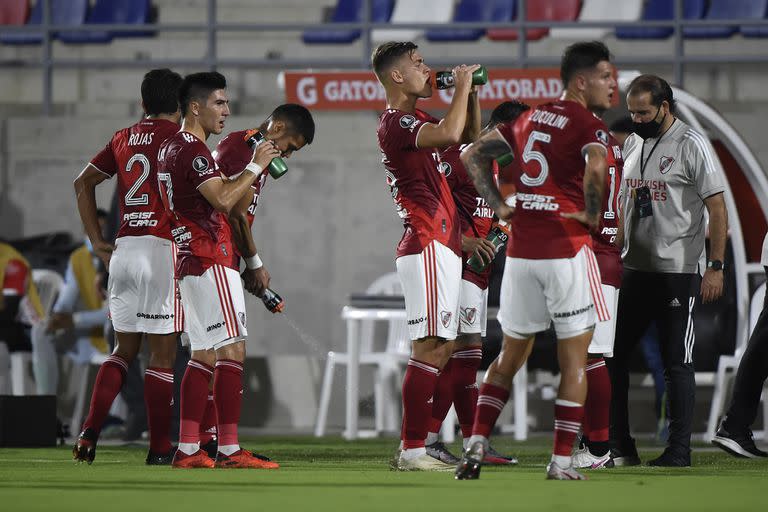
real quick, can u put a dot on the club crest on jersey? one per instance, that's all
(469, 315)
(602, 136)
(445, 168)
(201, 165)
(445, 317)
(665, 164)
(407, 121)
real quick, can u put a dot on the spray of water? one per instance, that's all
(312, 343)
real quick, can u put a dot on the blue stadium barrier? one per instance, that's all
(474, 11)
(755, 30)
(349, 11)
(63, 12)
(656, 10)
(724, 10)
(111, 12)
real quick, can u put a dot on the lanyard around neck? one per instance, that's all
(643, 165)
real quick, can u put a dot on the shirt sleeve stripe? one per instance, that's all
(109, 176)
(698, 140)
(209, 179)
(416, 140)
(598, 144)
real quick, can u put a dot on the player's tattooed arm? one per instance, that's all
(478, 160)
(595, 172)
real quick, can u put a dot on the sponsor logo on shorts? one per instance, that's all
(575, 312)
(415, 321)
(154, 316)
(445, 317)
(470, 314)
(215, 326)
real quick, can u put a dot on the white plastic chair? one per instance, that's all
(388, 363)
(413, 11)
(726, 372)
(600, 10)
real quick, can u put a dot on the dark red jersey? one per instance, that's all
(475, 215)
(132, 155)
(549, 144)
(201, 233)
(608, 255)
(417, 183)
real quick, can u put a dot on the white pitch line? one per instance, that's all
(54, 461)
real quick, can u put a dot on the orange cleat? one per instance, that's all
(199, 459)
(243, 459)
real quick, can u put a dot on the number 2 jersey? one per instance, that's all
(202, 235)
(131, 154)
(419, 189)
(549, 143)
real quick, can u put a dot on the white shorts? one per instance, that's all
(605, 331)
(537, 292)
(473, 309)
(142, 290)
(214, 308)
(431, 282)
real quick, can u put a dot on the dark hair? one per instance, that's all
(506, 112)
(298, 118)
(657, 86)
(622, 125)
(160, 92)
(581, 56)
(387, 53)
(198, 86)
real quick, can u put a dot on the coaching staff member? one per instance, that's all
(669, 179)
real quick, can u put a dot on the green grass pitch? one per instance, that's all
(335, 475)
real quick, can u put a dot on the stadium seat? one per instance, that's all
(63, 12)
(14, 12)
(727, 10)
(656, 10)
(541, 10)
(755, 30)
(349, 11)
(111, 12)
(474, 11)
(600, 10)
(413, 11)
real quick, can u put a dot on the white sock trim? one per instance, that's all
(413, 453)
(189, 448)
(229, 449)
(566, 403)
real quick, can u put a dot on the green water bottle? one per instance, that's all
(445, 79)
(277, 167)
(498, 236)
(505, 160)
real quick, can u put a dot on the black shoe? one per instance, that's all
(85, 446)
(471, 462)
(671, 459)
(161, 459)
(212, 448)
(738, 445)
(624, 455)
(437, 450)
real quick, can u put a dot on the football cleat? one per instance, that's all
(494, 458)
(422, 463)
(583, 458)
(624, 455)
(161, 459)
(438, 451)
(199, 459)
(243, 459)
(555, 472)
(738, 445)
(471, 462)
(85, 446)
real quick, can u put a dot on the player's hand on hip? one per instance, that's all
(256, 281)
(264, 153)
(590, 222)
(462, 76)
(103, 250)
(712, 285)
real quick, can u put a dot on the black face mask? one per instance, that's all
(650, 129)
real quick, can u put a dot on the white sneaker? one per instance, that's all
(583, 458)
(555, 472)
(423, 463)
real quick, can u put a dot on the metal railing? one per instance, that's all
(212, 28)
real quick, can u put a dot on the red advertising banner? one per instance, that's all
(360, 90)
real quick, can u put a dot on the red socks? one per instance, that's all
(597, 405)
(228, 398)
(108, 383)
(489, 405)
(567, 423)
(442, 398)
(194, 390)
(465, 363)
(208, 424)
(158, 395)
(418, 389)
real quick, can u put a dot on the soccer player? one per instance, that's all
(429, 254)
(594, 451)
(550, 274)
(142, 288)
(457, 382)
(289, 127)
(197, 199)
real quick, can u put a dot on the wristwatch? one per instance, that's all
(715, 265)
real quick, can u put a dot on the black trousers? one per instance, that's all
(750, 377)
(668, 299)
